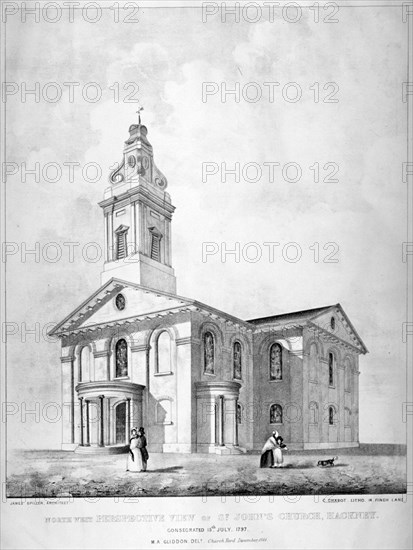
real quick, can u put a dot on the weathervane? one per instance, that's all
(139, 114)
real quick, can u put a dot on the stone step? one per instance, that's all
(224, 450)
(109, 450)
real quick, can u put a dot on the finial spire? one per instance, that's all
(139, 114)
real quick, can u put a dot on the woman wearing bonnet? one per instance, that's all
(267, 455)
(135, 463)
(271, 455)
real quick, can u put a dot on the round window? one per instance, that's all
(120, 302)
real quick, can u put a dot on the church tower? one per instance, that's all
(137, 218)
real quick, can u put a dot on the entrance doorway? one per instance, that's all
(120, 416)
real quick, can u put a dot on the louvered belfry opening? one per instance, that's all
(121, 242)
(155, 248)
(121, 246)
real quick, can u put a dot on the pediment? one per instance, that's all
(121, 229)
(105, 306)
(335, 321)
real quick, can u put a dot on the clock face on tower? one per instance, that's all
(143, 165)
(120, 302)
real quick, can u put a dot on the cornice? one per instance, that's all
(137, 194)
(184, 341)
(101, 353)
(329, 336)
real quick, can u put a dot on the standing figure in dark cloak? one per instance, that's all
(142, 447)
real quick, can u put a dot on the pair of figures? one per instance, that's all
(138, 454)
(272, 452)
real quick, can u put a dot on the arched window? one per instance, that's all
(164, 411)
(121, 358)
(276, 414)
(276, 362)
(209, 353)
(239, 413)
(312, 371)
(331, 415)
(237, 361)
(163, 353)
(313, 410)
(331, 368)
(84, 365)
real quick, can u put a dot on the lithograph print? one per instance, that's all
(205, 251)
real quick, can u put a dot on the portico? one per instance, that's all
(107, 412)
(217, 419)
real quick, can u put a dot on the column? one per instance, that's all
(70, 411)
(132, 244)
(140, 228)
(355, 414)
(72, 402)
(221, 421)
(323, 400)
(167, 244)
(106, 239)
(341, 399)
(236, 422)
(108, 365)
(230, 428)
(81, 420)
(128, 426)
(101, 431)
(213, 421)
(87, 424)
(110, 237)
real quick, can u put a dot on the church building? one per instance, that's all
(135, 353)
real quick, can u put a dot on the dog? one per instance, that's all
(327, 462)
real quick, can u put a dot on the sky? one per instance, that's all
(164, 61)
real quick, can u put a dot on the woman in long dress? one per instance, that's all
(142, 447)
(135, 463)
(278, 452)
(267, 455)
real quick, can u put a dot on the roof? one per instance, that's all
(76, 318)
(303, 315)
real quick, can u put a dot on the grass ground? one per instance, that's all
(370, 469)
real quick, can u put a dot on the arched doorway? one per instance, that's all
(120, 419)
